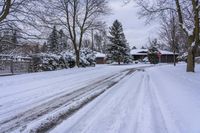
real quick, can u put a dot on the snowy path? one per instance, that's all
(143, 102)
(123, 109)
(29, 98)
(106, 99)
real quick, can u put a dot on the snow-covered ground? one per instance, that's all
(155, 99)
(26, 98)
(162, 99)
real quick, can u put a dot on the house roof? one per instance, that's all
(164, 52)
(139, 51)
(100, 55)
(145, 51)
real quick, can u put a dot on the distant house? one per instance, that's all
(139, 54)
(165, 56)
(100, 58)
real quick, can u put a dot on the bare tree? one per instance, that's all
(171, 35)
(188, 17)
(5, 9)
(77, 17)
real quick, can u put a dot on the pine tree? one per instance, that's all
(14, 39)
(118, 49)
(62, 44)
(53, 41)
(153, 55)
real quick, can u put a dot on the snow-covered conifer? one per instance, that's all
(53, 41)
(118, 49)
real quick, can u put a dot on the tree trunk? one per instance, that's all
(190, 61)
(190, 57)
(92, 34)
(119, 61)
(174, 58)
(77, 58)
(194, 40)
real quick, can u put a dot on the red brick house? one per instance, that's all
(165, 56)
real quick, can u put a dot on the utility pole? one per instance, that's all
(92, 34)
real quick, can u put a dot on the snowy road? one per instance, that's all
(158, 100)
(105, 99)
(31, 99)
(130, 107)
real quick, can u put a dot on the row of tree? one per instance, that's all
(115, 45)
(33, 18)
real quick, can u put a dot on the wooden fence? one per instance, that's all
(14, 65)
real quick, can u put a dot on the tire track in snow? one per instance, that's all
(33, 98)
(149, 118)
(35, 113)
(111, 112)
(153, 116)
(20, 101)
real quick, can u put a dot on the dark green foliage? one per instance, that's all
(153, 55)
(118, 49)
(53, 41)
(62, 44)
(57, 41)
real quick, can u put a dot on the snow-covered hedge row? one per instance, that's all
(66, 59)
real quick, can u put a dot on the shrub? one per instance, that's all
(153, 55)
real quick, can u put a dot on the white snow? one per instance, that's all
(145, 51)
(158, 99)
(139, 51)
(162, 99)
(24, 93)
(100, 55)
(164, 52)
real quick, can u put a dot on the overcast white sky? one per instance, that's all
(135, 29)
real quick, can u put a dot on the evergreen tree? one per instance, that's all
(118, 49)
(62, 44)
(14, 39)
(53, 41)
(153, 55)
(127, 57)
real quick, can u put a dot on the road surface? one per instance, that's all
(105, 99)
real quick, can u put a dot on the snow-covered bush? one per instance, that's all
(128, 59)
(153, 55)
(66, 59)
(69, 58)
(88, 57)
(46, 62)
(183, 57)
